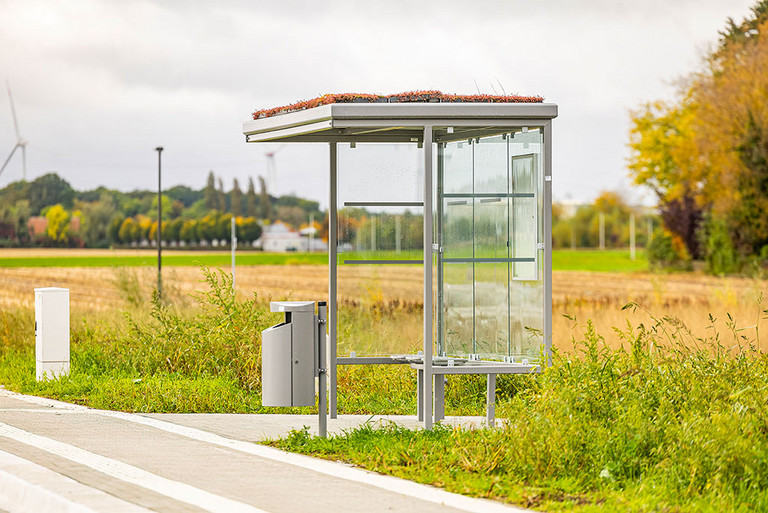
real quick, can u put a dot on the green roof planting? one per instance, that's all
(411, 96)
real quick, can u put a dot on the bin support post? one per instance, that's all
(491, 400)
(439, 397)
(322, 371)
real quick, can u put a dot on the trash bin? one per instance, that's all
(288, 356)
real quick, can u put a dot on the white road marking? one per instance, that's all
(179, 491)
(27, 486)
(334, 469)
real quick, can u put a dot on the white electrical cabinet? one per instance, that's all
(51, 332)
(288, 359)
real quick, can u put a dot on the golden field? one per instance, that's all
(689, 297)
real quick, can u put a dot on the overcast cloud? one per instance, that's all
(98, 85)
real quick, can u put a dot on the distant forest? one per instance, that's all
(49, 212)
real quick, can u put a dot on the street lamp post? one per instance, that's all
(159, 151)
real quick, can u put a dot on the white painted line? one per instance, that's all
(179, 491)
(27, 486)
(330, 468)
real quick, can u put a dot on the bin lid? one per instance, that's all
(292, 306)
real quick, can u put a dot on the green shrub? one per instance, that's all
(667, 252)
(720, 253)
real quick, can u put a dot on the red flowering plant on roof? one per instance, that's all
(410, 96)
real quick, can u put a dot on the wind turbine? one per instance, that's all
(271, 173)
(20, 143)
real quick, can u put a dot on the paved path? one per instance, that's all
(57, 457)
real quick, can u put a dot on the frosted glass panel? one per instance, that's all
(370, 234)
(526, 319)
(457, 164)
(458, 309)
(491, 225)
(491, 309)
(490, 165)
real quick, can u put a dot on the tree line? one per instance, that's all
(103, 217)
(705, 154)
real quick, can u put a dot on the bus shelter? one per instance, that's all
(452, 197)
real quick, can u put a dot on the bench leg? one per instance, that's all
(439, 397)
(491, 400)
(420, 394)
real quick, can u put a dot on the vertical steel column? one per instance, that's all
(332, 245)
(427, 277)
(548, 241)
(322, 371)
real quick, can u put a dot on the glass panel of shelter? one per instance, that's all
(490, 190)
(379, 251)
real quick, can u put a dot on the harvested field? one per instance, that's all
(579, 294)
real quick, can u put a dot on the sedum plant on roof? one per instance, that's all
(410, 96)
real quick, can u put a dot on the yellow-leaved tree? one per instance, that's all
(58, 223)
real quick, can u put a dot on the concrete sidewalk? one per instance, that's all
(60, 457)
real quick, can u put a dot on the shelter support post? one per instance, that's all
(547, 275)
(427, 399)
(332, 303)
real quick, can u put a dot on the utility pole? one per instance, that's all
(632, 235)
(159, 151)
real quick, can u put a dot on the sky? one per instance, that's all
(98, 85)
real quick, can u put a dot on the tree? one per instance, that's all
(665, 157)
(236, 199)
(707, 154)
(58, 223)
(49, 190)
(222, 197)
(248, 229)
(265, 203)
(210, 194)
(125, 233)
(97, 217)
(251, 201)
(188, 231)
(113, 231)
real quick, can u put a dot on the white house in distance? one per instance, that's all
(280, 238)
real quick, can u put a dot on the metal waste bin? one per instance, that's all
(288, 359)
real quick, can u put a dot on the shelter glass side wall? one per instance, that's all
(379, 249)
(490, 226)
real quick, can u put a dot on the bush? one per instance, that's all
(668, 252)
(719, 250)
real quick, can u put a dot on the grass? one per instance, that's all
(612, 260)
(169, 259)
(665, 423)
(609, 260)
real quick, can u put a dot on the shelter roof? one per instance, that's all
(395, 118)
